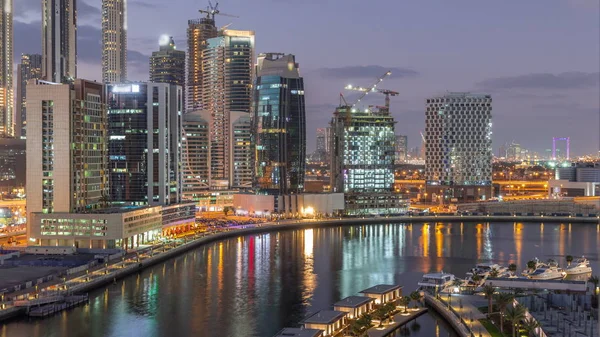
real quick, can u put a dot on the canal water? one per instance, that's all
(255, 285)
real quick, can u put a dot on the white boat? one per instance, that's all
(538, 264)
(579, 266)
(548, 273)
(437, 281)
(483, 271)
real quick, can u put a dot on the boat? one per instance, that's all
(483, 271)
(438, 282)
(552, 272)
(579, 266)
(538, 264)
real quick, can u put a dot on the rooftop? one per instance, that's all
(353, 301)
(325, 317)
(381, 289)
(299, 332)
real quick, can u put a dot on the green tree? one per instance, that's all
(405, 301)
(569, 259)
(595, 280)
(502, 301)
(415, 296)
(494, 273)
(530, 326)
(514, 315)
(489, 290)
(512, 268)
(380, 314)
(531, 265)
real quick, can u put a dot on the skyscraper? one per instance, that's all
(67, 152)
(227, 87)
(6, 69)
(199, 30)
(195, 151)
(458, 153)
(59, 40)
(144, 137)
(362, 161)
(114, 41)
(30, 68)
(401, 149)
(168, 64)
(280, 125)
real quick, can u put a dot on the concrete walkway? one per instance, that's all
(469, 312)
(399, 320)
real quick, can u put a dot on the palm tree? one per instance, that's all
(514, 315)
(595, 280)
(415, 296)
(569, 259)
(512, 268)
(494, 273)
(489, 290)
(531, 265)
(530, 326)
(502, 301)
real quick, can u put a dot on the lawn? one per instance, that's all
(491, 328)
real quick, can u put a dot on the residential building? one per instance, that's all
(194, 154)
(362, 161)
(401, 149)
(67, 152)
(458, 132)
(198, 31)
(6, 70)
(355, 306)
(331, 322)
(168, 64)
(227, 87)
(30, 68)
(144, 143)
(280, 125)
(59, 40)
(323, 138)
(299, 332)
(383, 293)
(114, 41)
(241, 171)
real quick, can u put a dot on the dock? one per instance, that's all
(400, 319)
(51, 308)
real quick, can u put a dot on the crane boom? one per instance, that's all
(365, 91)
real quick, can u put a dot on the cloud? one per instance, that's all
(143, 4)
(568, 80)
(371, 71)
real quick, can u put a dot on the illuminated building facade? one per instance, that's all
(30, 68)
(458, 133)
(67, 153)
(401, 149)
(280, 125)
(59, 40)
(227, 87)
(194, 153)
(198, 31)
(144, 136)
(362, 161)
(6, 69)
(114, 41)
(168, 64)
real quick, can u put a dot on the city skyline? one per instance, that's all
(534, 73)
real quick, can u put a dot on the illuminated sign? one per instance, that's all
(126, 88)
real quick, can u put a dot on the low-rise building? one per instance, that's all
(299, 332)
(355, 306)
(301, 204)
(383, 293)
(328, 321)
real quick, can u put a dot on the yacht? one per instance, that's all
(437, 281)
(579, 266)
(538, 264)
(548, 273)
(483, 271)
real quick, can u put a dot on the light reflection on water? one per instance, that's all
(256, 285)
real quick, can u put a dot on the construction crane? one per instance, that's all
(211, 11)
(374, 88)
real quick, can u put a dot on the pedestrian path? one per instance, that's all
(399, 320)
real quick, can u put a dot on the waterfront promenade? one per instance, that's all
(400, 319)
(136, 261)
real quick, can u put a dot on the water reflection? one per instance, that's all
(255, 285)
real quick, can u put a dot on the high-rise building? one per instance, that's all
(59, 40)
(67, 153)
(514, 152)
(401, 149)
(144, 142)
(199, 30)
(6, 69)
(30, 68)
(280, 125)
(168, 64)
(458, 164)
(114, 41)
(323, 144)
(195, 150)
(227, 87)
(241, 171)
(362, 161)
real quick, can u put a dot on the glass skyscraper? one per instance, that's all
(280, 125)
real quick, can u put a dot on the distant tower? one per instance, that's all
(30, 68)
(114, 41)
(59, 40)
(6, 69)
(168, 64)
(199, 30)
(567, 141)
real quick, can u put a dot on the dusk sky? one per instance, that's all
(539, 59)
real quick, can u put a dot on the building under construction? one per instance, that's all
(362, 158)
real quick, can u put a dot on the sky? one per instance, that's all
(539, 59)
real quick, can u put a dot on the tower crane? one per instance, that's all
(211, 11)
(374, 88)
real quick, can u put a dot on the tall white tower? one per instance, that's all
(59, 40)
(6, 69)
(114, 41)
